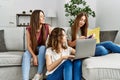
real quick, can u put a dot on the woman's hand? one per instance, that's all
(35, 60)
(68, 57)
(82, 37)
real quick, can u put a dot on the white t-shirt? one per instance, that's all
(69, 34)
(55, 56)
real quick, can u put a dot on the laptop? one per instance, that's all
(85, 48)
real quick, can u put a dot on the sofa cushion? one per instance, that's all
(14, 37)
(95, 32)
(10, 58)
(2, 42)
(102, 67)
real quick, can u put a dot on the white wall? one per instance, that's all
(62, 19)
(9, 9)
(108, 12)
(92, 21)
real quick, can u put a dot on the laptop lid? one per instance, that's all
(85, 48)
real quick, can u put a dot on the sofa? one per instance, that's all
(13, 46)
(11, 57)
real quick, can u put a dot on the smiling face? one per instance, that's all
(82, 21)
(42, 18)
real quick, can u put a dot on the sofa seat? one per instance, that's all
(10, 64)
(10, 58)
(102, 68)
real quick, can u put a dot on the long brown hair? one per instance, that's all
(54, 39)
(76, 24)
(34, 24)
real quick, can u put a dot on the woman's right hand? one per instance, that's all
(35, 60)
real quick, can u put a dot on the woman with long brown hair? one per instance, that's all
(58, 55)
(79, 31)
(37, 34)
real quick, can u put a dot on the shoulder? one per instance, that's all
(49, 51)
(48, 27)
(69, 30)
(28, 28)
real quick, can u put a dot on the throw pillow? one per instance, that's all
(2, 42)
(95, 32)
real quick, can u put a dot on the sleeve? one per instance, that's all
(28, 28)
(48, 51)
(47, 28)
(69, 37)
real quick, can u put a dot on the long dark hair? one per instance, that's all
(76, 24)
(34, 24)
(54, 39)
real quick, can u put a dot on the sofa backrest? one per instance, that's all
(14, 37)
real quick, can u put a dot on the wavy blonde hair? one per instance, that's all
(54, 37)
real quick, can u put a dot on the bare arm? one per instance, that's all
(30, 49)
(71, 43)
(52, 65)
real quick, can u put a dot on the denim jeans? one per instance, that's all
(105, 47)
(63, 72)
(26, 62)
(77, 69)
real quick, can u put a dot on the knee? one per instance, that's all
(68, 63)
(101, 50)
(108, 43)
(26, 58)
(77, 62)
(42, 47)
(26, 54)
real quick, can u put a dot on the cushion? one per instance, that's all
(2, 42)
(14, 38)
(95, 32)
(108, 35)
(102, 68)
(11, 58)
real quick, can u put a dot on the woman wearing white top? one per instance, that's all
(58, 55)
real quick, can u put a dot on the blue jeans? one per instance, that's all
(77, 69)
(63, 72)
(104, 48)
(27, 59)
